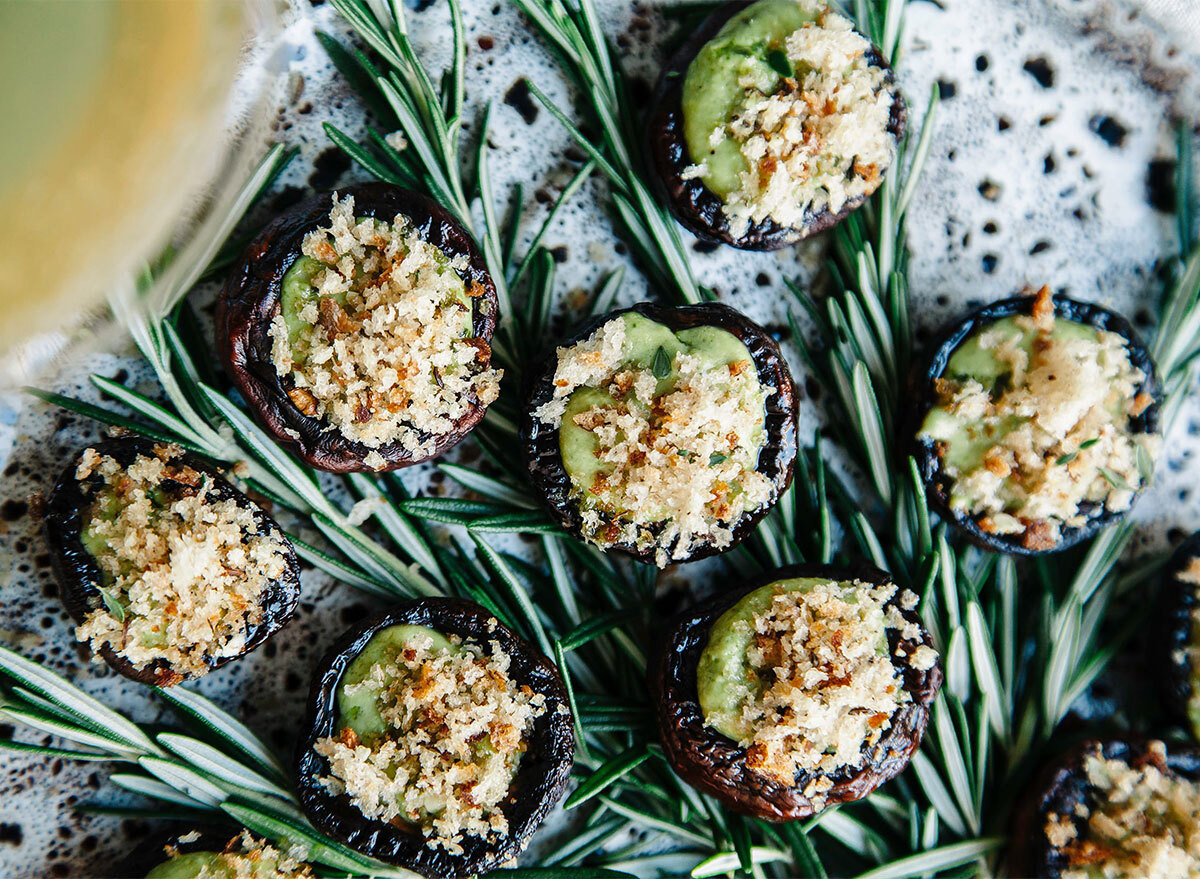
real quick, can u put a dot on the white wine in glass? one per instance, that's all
(113, 120)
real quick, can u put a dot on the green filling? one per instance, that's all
(296, 291)
(644, 340)
(725, 680)
(750, 44)
(218, 865)
(968, 441)
(106, 507)
(194, 864)
(360, 710)
(215, 865)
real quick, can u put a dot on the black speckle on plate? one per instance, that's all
(520, 98)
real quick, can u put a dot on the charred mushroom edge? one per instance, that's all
(1171, 632)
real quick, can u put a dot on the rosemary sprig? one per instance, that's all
(226, 768)
(572, 29)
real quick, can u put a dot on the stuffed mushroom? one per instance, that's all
(168, 570)
(437, 740)
(215, 855)
(772, 123)
(358, 329)
(810, 687)
(1040, 423)
(664, 432)
(1112, 809)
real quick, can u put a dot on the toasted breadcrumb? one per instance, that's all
(457, 726)
(387, 353)
(187, 570)
(831, 687)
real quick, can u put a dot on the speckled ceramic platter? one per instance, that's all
(1052, 164)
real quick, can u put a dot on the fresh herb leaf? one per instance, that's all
(779, 62)
(1145, 465)
(662, 363)
(717, 458)
(1113, 479)
(112, 604)
(1071, 456)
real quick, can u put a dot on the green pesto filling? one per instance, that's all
(360, 710)
(217, 865)
(725, 680)
(749, 45)
(644, 338)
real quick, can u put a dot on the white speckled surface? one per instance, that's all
(1021, 187)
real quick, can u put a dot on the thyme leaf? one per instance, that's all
(778, 61)
(1114, 480)
(661, 367)
(112, 604)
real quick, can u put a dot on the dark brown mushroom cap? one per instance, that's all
(715, 764)
(251, 299)
(938, 484)
(78, 572)
(541, 777)
(1061, 787)
(540, 442)
(694, 205)
(1171, 633)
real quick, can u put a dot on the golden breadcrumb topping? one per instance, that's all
(182, 572)
(384, 350)
(830, 686)
(818, 138)
(677, 465)
(457, 727)
(1142, 820)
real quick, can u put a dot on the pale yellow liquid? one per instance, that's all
(112, 115)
